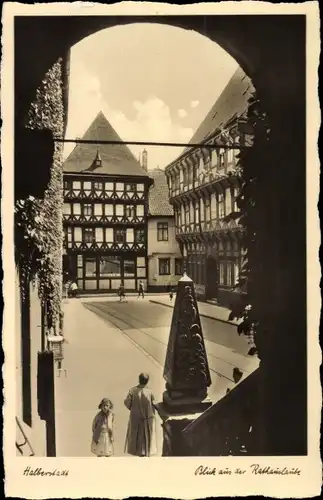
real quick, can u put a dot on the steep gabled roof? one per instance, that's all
(233, 101)
(116, 159)
(158, 197)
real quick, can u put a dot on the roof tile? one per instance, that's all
(158, 197)
(117, 159)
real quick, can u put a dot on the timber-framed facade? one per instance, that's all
(203, 189)
(105, 214)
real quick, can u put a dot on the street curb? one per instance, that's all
(201, 314)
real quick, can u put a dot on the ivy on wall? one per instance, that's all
(251, 162)
(39, 229)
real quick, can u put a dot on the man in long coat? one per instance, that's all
(141, 433)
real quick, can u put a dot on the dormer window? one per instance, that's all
(98, 160)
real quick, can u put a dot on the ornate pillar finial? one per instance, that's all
(186, 369)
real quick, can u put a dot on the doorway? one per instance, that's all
(211, 278)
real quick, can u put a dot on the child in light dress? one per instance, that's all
(103, 430)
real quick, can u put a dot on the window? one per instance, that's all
(99, 234)
(195, 172)
(67, 209)
(90, 267)
(76, 184)
(214, 158)
(222, 271)
(68, 237)
(119, 235)
(221, 205)
(140, 210)
(185, 177)
(207, 163)
(131, 187)
(87, 209)
(235, 196)
(228, 201)
(221, 158)
(139, 235)
(162, 231)
(98, 209)
(129, 268)
(88, 235)
(187, 214)
(197, 212)
(130, 235)
(130, 211)
(98, 185)
(110, 266)
(164, 266)
(178, 267)
(207, 208)
(190, 175)
(236, 272)
(230, 274)
(67, 184)
(76, 208)
(78, 238)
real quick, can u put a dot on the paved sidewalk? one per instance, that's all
(207, 310)
(100, 361)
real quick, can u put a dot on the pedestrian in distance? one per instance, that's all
(121, 292)
(141, 292)
(141, 432)
(171, 294)
(103, 430)
(73, 290)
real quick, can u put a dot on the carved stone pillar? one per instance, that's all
(186, 371)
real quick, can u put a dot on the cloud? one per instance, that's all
(194, 104)
(152, 121)
(182, 113)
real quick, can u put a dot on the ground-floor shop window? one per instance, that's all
(110, 266)
(90, 267)
(129, 268)
(104, 272)
(164, 266)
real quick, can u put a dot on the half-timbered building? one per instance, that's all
(203, 191)
(105, 213)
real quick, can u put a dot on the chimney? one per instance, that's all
(144, 159)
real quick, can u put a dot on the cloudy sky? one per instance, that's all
(153, 83)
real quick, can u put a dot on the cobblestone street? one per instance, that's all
(108, 345)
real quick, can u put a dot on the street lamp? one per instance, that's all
(55, 344)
